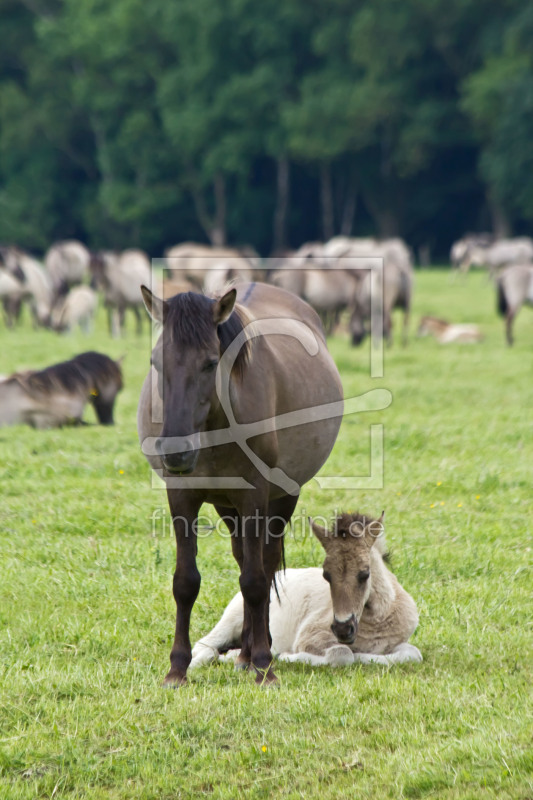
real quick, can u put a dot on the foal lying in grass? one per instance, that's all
(363, 616)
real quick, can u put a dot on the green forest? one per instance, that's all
(134, 123)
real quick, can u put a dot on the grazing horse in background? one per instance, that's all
(77, 307)
(395, 288)
(241, 407)
(363, 616)
(57, 395)
(209, 268)
(447, 333)
(38, 289)
(495, 255)
(67, 264)
(12, 292)
(119, 277)
(514, 287)
(328, 291)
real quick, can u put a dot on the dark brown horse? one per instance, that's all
(242, 406)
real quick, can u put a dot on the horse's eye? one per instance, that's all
(209, 366)
(326, 576)
(363, 576)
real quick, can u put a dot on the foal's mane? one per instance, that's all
(190, 322)
(341, 529)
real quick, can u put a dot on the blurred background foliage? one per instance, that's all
(145, 124)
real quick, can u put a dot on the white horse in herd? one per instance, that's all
(353, 610)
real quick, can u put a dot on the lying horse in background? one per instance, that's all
(514, 287)
(241, 407)
(447, 333)
(363, 616)
(57, 395)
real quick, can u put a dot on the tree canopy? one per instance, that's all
(145, 124)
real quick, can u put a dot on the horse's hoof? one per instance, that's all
(173, 681)
(266, 678)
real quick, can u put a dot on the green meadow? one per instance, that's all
(87, 614)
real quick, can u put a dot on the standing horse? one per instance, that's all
(119, 278)
(514, 288)
(38, 290)
(395, 291)
(364, 615)
(67, 263)
(245, 398)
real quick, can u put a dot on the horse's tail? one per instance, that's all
(502, 305)
(282, 566)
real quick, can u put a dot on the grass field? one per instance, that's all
(87, 614)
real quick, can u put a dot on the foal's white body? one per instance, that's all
(300, 622)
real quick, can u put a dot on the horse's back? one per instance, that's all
(269, 302)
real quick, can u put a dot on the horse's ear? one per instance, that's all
(320, 533)
(156, 307)
(223, 307)
(375, 529)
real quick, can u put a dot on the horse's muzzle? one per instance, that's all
(346, 631)
(182, 462)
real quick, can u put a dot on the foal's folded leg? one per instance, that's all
(402, 654)
(303, 658)
(315, 644)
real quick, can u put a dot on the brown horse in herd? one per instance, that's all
(241, 407)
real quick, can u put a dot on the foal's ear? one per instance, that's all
(375, 529)
(156, 307)
(222, 308)
(320, 532)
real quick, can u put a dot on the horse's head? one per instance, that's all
(185, 359)
(347, 569)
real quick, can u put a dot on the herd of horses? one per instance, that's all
(63, 290)
(216, 430)
(363, 279)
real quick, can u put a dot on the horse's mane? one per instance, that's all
(82, 373)
(190, 322)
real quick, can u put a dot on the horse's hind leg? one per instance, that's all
(232, 520)
(255, 588)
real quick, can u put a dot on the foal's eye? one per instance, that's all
(363, 576)
(326, 576)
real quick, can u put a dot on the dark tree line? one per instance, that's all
(137, 123)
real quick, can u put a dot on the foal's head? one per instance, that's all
(347, 568)
(196, 331)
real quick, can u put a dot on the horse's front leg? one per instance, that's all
(255, 589)
(186, 584)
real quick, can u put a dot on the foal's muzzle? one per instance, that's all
(346, 631)
(179, 460)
